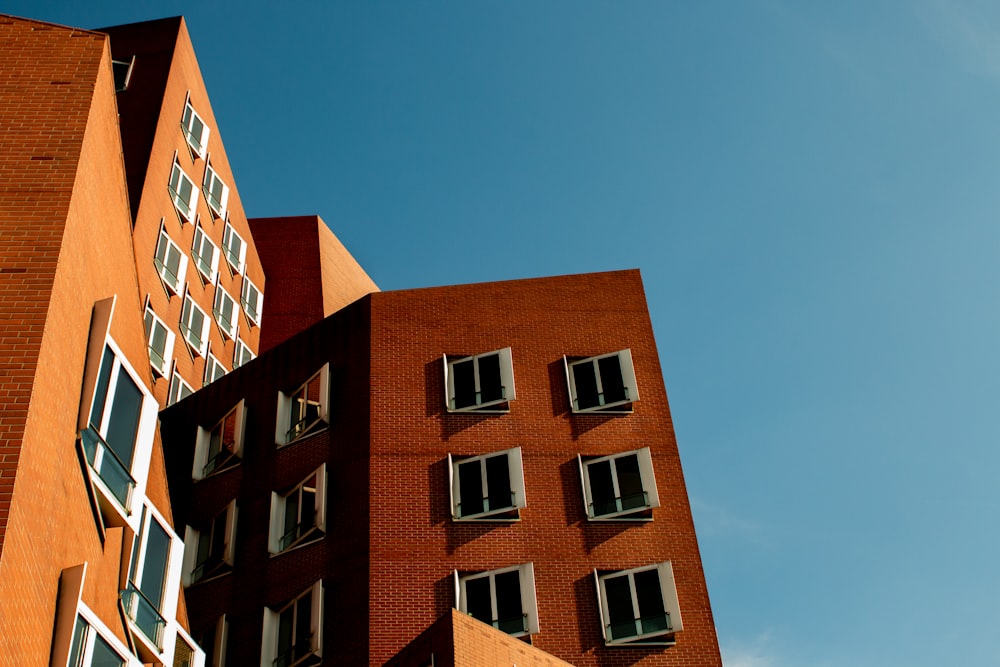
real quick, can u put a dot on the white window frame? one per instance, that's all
(220, 639)
(272, 624)
(253, 316)
(621, 513)
(179, 181)
(295, 403)
(628, 381)
(507, 389)
(208, 267)
(222, 300)
(196, 340)
(280, 538)
(198, 655)
(212, 367)
(235, 257)
(212, 179)
(177, 387)
(153, 324)
(242, 354)
(194, 539)
(198, 141)
(114, 510)
(206, 462)
(516, 481)
(668, 592)
(173, 283)
(95, 628)
(154, 649)
(526, 580)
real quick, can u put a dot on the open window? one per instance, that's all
(170, 263)
(479, 383)
(504, 598)
(208, 549)
(638, 606)
(305, 410)
(205, 255)
(293, 634)
(194, 326)
(183, 193)
(224, 310)
(619, 487)
(150, 597)
(118, 436)
(605, 383)
(242, 354)
(159, 343)
(235, 249)
(179, 389)
(252, 300)
(298, 515)
(488, 487)
(221, 446)
(195, 130)
(92, 648)
(214, 369)
(214, 641)
(216, 192)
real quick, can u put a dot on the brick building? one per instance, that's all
(389, 458)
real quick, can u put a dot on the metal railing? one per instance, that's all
(144, 614)
(109, 468)
(294, 653)
(646, 625)
(513, 625)
(487, 508)
(633, 501)
(172, 279)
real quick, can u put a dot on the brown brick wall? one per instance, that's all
(414, 544)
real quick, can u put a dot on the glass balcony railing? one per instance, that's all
(294, 653)
(634, 501)
(648, 625)
(512, 626)
(144, 615)
(109, 468)
(486, 507)
(167, 274)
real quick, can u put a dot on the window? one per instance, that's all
(221, 446)
(214, 641)
(242, 354)
(488, 487)
(122, 71)
(502, 598)
(216, 192)
(118, 439)
(252, 300)
(638, 606)
(224, 310)
(183, 192)
(179, 389)
(90, 649)
(195, 130)
(151, 596)
(293, 634)
(235, 249)
(209, 549)
(298, 516)
(602, 384)
(194, 326)
(159, 342)
(205, 255)
(484, 382)
(305, 410)
(621, 486)
(213, 369)
(186, 651)
(170, 263)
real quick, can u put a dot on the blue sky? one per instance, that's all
(810, 191)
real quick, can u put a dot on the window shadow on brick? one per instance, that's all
(434, 403)
(569, 476)
(444, 595)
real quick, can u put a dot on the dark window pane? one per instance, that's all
(124, 424)
(101, 390)
(585, 381)
(477, 599)
(303, 626)
(611, 380)
(464, 375)
(510, 615)
(630, 482)
(490, 384)
(155, 563)
(79, 640)
(602, 491)
(286, 628)
(498, 482)
(104, 656)
(470, 484)
(650, 598)
(619, 600)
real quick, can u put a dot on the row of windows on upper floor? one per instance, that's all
(116, 443)
(635, 607)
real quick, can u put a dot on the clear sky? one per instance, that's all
(810, 191)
